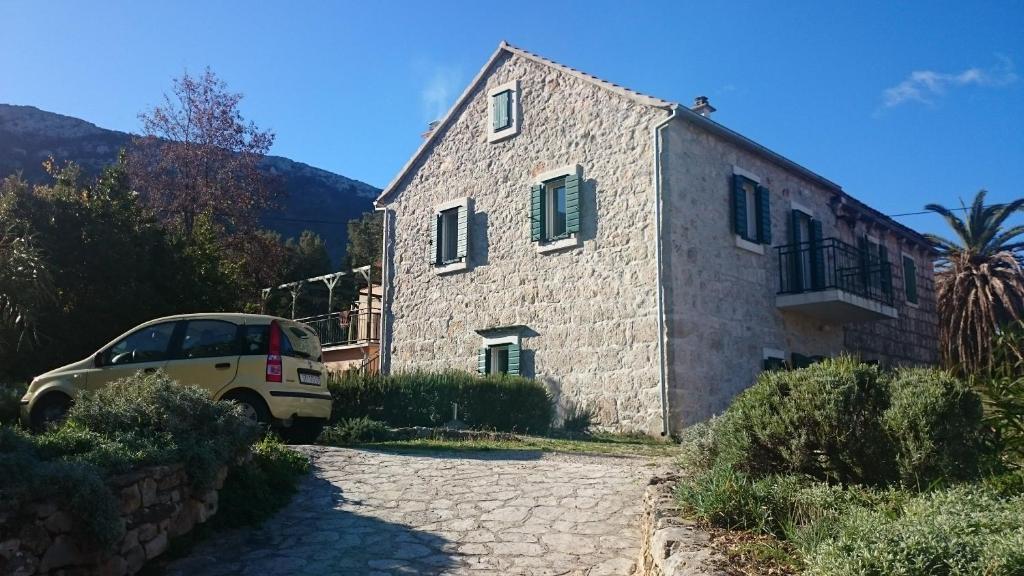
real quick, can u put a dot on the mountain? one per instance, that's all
(314, 199)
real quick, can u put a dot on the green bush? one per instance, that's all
(697, 448)
(934, 422)
(726, 498)
(138, 421)
(257, 489)
(10, 402)
(963, 530)
(578, 419)
(159, 421)
(505, 403)
(353, 431)
(821, 421)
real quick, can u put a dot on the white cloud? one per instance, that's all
(443, 85)
(925, 86)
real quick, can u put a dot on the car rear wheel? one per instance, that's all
(50, 412)
(253, 407)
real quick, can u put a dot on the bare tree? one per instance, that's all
(198, 156)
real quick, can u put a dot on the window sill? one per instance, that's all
(911, 304)
(442, 269)
(749, 246)
(558, 245)
(498, 136)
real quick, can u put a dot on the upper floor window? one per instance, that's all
(751, 210)
(449, 236)
(910, 278)
(503, 111)
(555, 209)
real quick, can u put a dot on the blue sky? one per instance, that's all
(902, 103)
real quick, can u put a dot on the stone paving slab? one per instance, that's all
(367, 512)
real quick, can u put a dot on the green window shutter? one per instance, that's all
(502, 107)
(817, 256)
(513, 359)
(796, 264)
(483, 361)
(739, 206)
(435, 240)
(864, 257)
(764, 216)
(885, 270)
(910, 279)
(572, 204)
(537, 213)
(463, 231)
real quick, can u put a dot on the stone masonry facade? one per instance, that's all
(589, 314)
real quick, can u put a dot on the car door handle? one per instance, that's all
(149, 370)
(222, 365)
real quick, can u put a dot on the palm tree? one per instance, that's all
(25, 286)
(978, 280)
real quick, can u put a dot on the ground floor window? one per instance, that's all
(499, 356)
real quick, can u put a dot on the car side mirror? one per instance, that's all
(98, 359)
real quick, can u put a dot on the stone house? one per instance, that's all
(642, 260)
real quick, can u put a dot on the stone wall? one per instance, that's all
(670, 545)
(157, 504)
(720, 297)
(590, 312)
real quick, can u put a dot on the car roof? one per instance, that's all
(235, 317)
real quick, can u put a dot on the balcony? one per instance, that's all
(834, 281)
(348, 328)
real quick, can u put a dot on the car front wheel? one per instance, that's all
(50, 412)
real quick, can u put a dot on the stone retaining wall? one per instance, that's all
(671, 545)
(157, 504)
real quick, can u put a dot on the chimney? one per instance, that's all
(702, 106)
(430, 128)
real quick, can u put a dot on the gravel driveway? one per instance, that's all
(366, 512)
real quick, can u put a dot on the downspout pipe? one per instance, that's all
(384, 351)
(656, 133)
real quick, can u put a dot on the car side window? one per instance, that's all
(254, 340)
(209, 339)
(146, 345)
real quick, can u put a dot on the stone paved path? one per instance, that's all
(370, 513)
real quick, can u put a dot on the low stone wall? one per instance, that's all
(671, 545)
(157, 504)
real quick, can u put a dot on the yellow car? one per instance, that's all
(270, 366)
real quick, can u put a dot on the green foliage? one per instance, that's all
(181, 423)
(26, 285)
(354, 431)
(821, 421)
(934, 422)
(963, 530)
(727, 498)
(505, 403)
(697, 449)
(10, 402)
(1002, 392)
(578, 419)
(138, 421)
(365, 236)
(257, 489)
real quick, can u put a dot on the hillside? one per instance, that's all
(29, 135)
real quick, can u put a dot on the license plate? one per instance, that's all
(311, 378)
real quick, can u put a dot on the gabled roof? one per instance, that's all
(682, 112)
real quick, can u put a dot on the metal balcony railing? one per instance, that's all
(831, 264)
(344, 328)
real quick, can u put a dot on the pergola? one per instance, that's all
(330, 280)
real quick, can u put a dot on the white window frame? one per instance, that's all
(773, 354)
(752, 207)
(457, 265)
(491, 342)
(513, 129)
(543, 179)
(904, 255)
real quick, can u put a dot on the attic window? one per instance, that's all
(503, 111)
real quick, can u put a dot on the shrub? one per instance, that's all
(10, 402)
(697, 449)
(254, 491)
(354, 430)
(934, 422)
(506, 403)
(963, 530)
(578, 419)
(727, 498)
(160, 421)
(821, 421)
